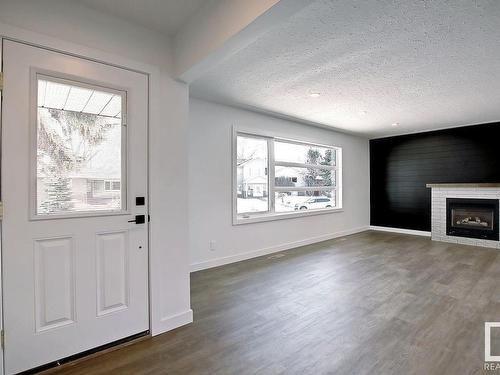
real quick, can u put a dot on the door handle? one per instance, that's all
(139, 219)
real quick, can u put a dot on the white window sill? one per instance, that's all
(257, 218)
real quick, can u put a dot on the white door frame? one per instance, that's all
(152, 73)
(2, 369)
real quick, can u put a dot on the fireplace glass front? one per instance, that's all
(473, 218)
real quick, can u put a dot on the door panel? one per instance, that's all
(74, 157)
(55, 283)
(112, 272)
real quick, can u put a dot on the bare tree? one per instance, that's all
(64, 148)
(73, 142)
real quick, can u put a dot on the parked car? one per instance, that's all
(315, 203)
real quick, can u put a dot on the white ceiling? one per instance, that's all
(423, 64)
(164, 16)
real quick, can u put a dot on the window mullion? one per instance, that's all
(270, 174)
(303, 165)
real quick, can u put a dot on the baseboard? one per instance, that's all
(171, 322)
(403, 231)
(269, 250)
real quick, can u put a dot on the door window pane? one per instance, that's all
(252, 175)
(303, 177)
(290, 201)
(79, 148)
(303, 153)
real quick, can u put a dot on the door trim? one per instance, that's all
(2, 338)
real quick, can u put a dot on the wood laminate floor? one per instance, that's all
(370, 303)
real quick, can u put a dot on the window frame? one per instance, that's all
(35, 75)
(271, 214)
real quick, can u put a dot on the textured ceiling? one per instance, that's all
(165, 16)
(423, 64)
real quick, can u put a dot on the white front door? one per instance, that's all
(74, 159)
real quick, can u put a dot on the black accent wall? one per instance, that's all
(401, 166)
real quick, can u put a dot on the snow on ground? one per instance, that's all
(284, 204)
(252, 204)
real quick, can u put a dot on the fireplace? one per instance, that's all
(472, 218)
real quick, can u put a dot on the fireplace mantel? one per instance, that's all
(470, 185)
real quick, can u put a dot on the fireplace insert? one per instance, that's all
(473, 218)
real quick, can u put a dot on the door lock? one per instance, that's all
(139, 219)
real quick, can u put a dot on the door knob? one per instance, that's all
(139, 219)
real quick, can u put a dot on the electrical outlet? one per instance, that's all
(212, 245)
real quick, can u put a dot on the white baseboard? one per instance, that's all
(403, 231)
(269, 250)
(171, 322)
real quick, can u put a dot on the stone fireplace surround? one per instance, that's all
(439, 193)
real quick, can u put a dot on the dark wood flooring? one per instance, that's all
(370, 303)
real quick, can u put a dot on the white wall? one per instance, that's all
(210, 196)
(74, 22)
(71, 27)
